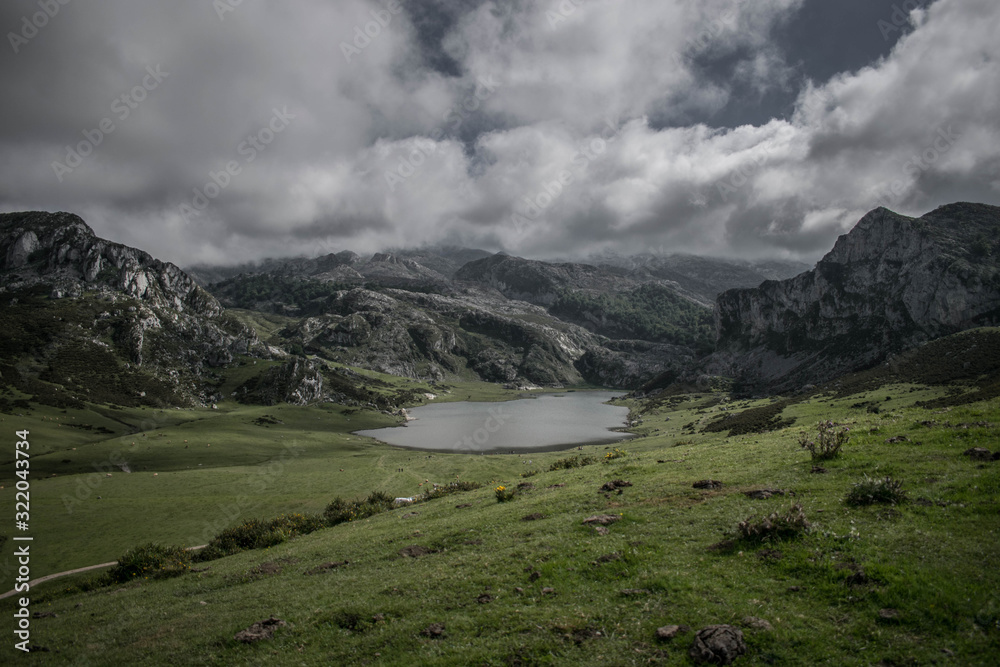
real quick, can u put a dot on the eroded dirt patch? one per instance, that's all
(259, 631)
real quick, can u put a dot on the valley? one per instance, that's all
(223, 410)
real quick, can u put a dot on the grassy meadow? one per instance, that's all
(525, 582)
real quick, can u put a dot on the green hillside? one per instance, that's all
(526, 582)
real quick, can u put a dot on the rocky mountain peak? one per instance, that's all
(890, 283)
(61, 250)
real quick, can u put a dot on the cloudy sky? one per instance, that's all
(220, 131)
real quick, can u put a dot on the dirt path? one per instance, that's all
(35, 582)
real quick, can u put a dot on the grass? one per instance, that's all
(198, 471)
(480, 569)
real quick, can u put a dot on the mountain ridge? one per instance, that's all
(890, 283)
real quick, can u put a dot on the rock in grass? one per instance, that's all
(671, 631)
(755, 623)
(259, 630)
(414, 551)
(978, 454)
(326, 567)
(708, 484)
(764, 494)
(601, 520)
(615, 485)
(718, 644)
(434, 630)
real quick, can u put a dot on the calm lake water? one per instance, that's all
(545, 422)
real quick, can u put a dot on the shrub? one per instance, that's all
(529, 473)
(149, 561)
(297, 524)
(342, 511)
(753, 420)
(828, 443)
(335, 511)
(615, 454)
(779, 525)
(885, 491)
(448, 489)
(258, 534)
(504, 494)
(379, 501)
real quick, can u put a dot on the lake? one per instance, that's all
(545, 422)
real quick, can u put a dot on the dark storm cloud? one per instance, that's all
(433, 21)
(761, 128)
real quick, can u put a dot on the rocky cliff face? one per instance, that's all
(297, 382)
(68, 292)
(436, 336)
(61, 249)
(889, 284)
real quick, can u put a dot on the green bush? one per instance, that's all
(778, 525)
(504, 494)
(259, 534)
(380, 499)
(149, 561)
(529, 473)
(885, 491)
(615, 454)
(448, 489)
(343, 511)
(753, 420)
(828, 443)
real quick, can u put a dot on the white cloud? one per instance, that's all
(384, 151)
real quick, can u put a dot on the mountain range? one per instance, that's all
(94, 320)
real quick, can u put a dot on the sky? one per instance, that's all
(223, 131)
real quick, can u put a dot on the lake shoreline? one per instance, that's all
(538, 422)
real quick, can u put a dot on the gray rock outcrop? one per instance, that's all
(891, 283)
